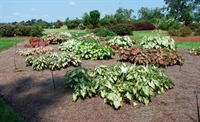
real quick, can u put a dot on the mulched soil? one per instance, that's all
(186, 39)
(31, 94)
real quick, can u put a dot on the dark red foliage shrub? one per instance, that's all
(156, 57)
(144, 26)
(36, 42)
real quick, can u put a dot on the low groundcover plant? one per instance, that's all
(118, 84)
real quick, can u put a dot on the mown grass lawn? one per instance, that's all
(139, 35)
(187, 45)
(6, 43)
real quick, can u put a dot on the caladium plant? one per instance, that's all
(156, 42)
(94, 50)
(35, 42)
(53, 61)
(70, 45)
(195, 51)
(157, 57)
(118, 84)
(34, 51)
(121, 42)
(55, 38)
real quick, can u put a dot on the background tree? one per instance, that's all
(146, 14)
(58, 24)
(124, 14)
(181, 9)
(94, 17)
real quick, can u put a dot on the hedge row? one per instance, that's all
(20, 30)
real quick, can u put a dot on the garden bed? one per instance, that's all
(32, 95)
(186, 39)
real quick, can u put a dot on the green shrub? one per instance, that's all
(197, 32)
(156, 42)
(20, 30)
(52, 61)
(104, 32)
(121, 30)
(118, 84)
(166, 24)
(185, 31)
(121, 42)
(94, 50)
(174, 32)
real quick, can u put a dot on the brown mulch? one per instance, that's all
(31, 94)
(186, 39)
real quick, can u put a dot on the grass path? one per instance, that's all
(6, 43)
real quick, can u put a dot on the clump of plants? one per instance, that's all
(104, 32)
(195, 51)
(35, 42)
(155, 57)
(70, 45)
(52, 61)
(156, 42)
(183, 31)
(121, 42)
(34, 51)
(121, 30)
(118, 84)
(94, 50)
(55, 38)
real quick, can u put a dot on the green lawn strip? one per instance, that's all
(139, 35)
(7, 114)
(187, 45)
(6, 43)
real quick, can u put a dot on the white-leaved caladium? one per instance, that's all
(138, 84)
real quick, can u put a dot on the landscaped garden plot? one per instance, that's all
(32, 95)
(51, 52)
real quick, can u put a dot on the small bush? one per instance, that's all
(197, 32)
(185, 31)
(121, 30)
(174, 32)
(104, 32)
(194, 26)
(166, 24)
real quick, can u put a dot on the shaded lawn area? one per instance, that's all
(187, 45)
(7, 114)
(6, 43)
